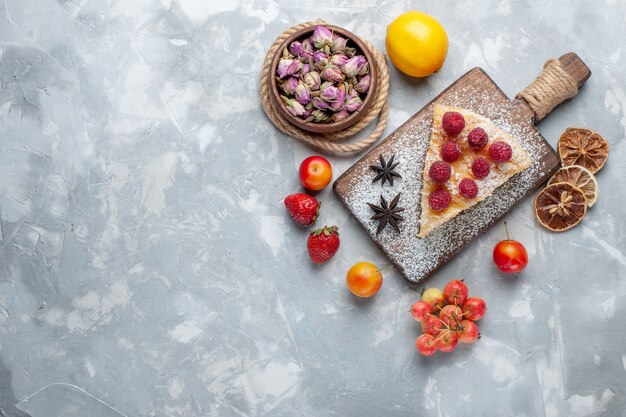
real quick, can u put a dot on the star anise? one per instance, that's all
(385, 170)
(387, 213)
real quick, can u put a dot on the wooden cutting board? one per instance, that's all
(417, 258)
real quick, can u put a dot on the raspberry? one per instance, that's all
(468, 188)
(500, 151)
(453, 123)
(440, 172)
(439, 199)
(477, 138)
(480, 168)
(450, 151)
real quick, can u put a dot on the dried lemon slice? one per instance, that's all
(560, 206)
(579, 177)
(584, 147)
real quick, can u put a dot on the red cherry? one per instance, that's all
(474, 308)
(431, 324)
(455, 292)
(469, 334)
(425, 345)
(510, 256)
(450, 314)
(420, 309)
(315, 173)
(446, 340)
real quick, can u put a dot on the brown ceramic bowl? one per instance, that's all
(353, 41)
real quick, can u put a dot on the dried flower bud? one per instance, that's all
(321, 37)
(365, 69)
(290, 85)
(307, 45)
(319, 103)
(293, 106)
(338, 60)
(306, 56)
(338, 103)
(363, 85)
(354, 65)
(288, 67)
(338, 43)
(318, 116)
(306, 68)
(320, 59)
(349, 52)
(353, 101)
(303, 94)
(340, 115)
(332, 74)
(296, 48)
(312, 80)
(329, 92)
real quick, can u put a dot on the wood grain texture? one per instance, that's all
(417, 258)
(575, 67)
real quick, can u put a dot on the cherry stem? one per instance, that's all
(443, 335)
(456, 318)
(384, 267)
(507, 231)
(444, 323)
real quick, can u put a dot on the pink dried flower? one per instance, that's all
(320, 103)
(338, 60)
(288, 67)
(353, 101)
(340, 115)
(318, 116)
(333, 74)
(303, 94)
(321, 37)
(338, 43)
(312, 80)
(294, 107)
(290, 85)
(352, 67)
(363, 85)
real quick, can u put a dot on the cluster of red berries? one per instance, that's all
(448, 317)
(440, 172)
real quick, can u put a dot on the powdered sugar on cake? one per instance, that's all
(498, 174)
(415, 256)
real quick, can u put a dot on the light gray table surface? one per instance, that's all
(148, 264)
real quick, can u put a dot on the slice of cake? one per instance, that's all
(468, 158)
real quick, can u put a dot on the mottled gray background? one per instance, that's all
(148, 261)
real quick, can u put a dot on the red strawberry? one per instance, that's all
(303, 208)
(323, 244)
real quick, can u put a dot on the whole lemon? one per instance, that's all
(416, 43)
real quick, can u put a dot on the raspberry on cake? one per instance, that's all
(480, 168)
(468, 188)
(439, 199)
(500, 151)
(477, 138)
(450, 151)
(462, 165)
(453, 123)
(440, 172)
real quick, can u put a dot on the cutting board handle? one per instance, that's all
(558, 81)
